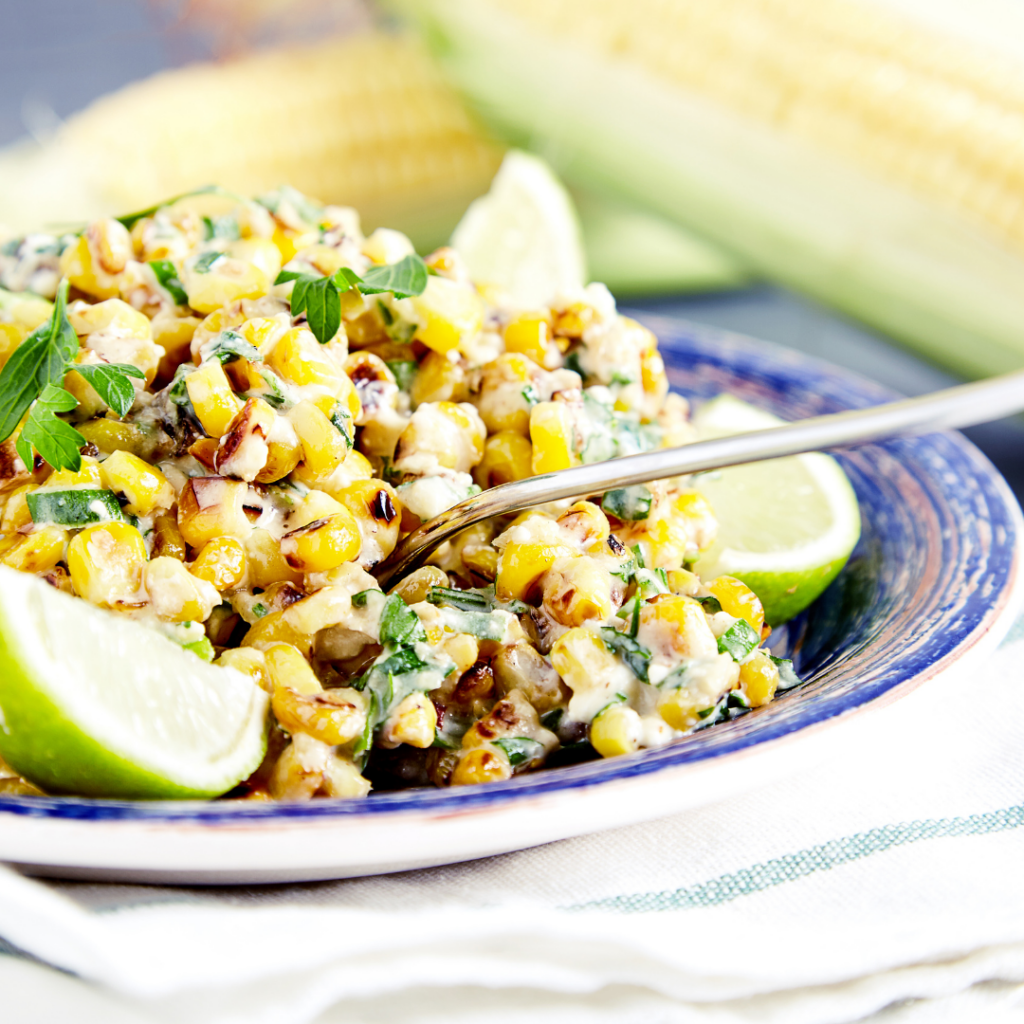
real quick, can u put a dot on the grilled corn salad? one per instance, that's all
(220, 414)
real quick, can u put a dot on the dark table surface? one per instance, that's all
(58, 55)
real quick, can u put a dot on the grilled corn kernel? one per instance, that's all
(680, 623)
(288, 669)
(274, 629)
(577, 589)
(342, 779)
(16, 514)
(174, 335)
(682, 581)
(38, 551)
(282, 458)
(759, 677)
(376, 509)
(94, 261)
(522, 565)
(221, 562)
(507, 456)
(448, 312)
(299, 771)
(323, 447)
(414, 722)
(616, 730)
(210, 506)
(530, 335)
(331, 716)
(299, 357)
(480, 765)
(551, 433)
(581, 659)
(415, 587)
(265, 563)
(88, 475)
(463, 649)
(503, 390)
(261, 252)
(322, 544)
(117, 333)
(175, 594)
(243, 450)
(212, 283)
(681, 708)
(212, 398)
(106, 563)
(438, 379)
(481, 560)
(167, 539)
(145, 487)
(113, 436)
(586, 523)
(738, 600)
(249, 662)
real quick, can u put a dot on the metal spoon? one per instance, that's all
(959, 406)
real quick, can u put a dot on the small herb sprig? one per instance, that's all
(320, 297)
(30, 380)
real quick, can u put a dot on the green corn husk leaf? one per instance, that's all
(920, 271)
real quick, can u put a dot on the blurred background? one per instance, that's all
(845, 177)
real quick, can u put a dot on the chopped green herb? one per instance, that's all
(342, 422)
(399, 624)
(404, 660)
(711, 604)
(205, 263)
(739, 640)
(111, 381)
(638, 555)
(530, 395)
(465, 600)
(404, 279)
(79, 507)
(519, 749)
(225, 226)
(359, 599)
(404, 371)
(629, 504)
(203, 648)
(259, 609)
(274, 395)
(167, 276)
(618, 377)
(787, 674)
(572, 362)
(634, 654)
(552, 719)
(477, 623)
(229, 346)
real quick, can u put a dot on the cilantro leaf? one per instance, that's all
(229, 346)
(787, 674)
(634, 654)
(56, 441)
(399, 624)
(167, 276)
(111, 382)
(40, 360)
(628, 503)
(464, 600)
(205, 263)
(739, 640)
(519, 748)
(404, 371)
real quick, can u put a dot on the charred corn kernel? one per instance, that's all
(415, 587)
(681, 623)
(681, 708)
(113, 436)
(272, 630)
(522, 565)
(481, 560)
(438, 379)
(463, 649)
(682, 581)
(167, 538)
(145, 487)
(205, 451)
(38, 551)
(94, 260)
(322, 544)
(480, 765)
(313, 505)
(282, 458)
(249, 662)
(175, 594)
(348, 396)
(221, 563)
(616, 730)
(211, 506)
(260, 252)
(581, 658)
(551, 433)
(586, 523)
(331, 716)
(88, 475)
(759, 677)
(342, 779)
(289, 669)
(16, 513)
(299, 771)
(377, 513)
(243, 449)
(507, 456)
(413, 722)
(106, 564)
(298, 357)
(323, 447)
(449, 312)
(576, 589)
(738, 600)
(212, 398)
(265, 563)
(211, 284)
(530, 335)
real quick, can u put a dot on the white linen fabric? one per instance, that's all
(885, 882)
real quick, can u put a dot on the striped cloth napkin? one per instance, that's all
(884, 883)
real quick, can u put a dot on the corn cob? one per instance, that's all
(859, 151)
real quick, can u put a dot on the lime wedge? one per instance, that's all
(95, 704)
(786, 526)
(523, 236)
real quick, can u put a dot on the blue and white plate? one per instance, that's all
(935, 579)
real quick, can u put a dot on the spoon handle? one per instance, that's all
(958, 406)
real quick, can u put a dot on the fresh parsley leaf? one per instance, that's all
(229, 346)
(787, 674)
(318, 298)
(404, 371)
(519, 748)
(403, 279)
(111, 381)
(56, 441)
(167, 275)
(205, 263)
(739, 640)
(40, 360)
(634, 654)
(399, 624)
(629, 504)
(81, 507)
